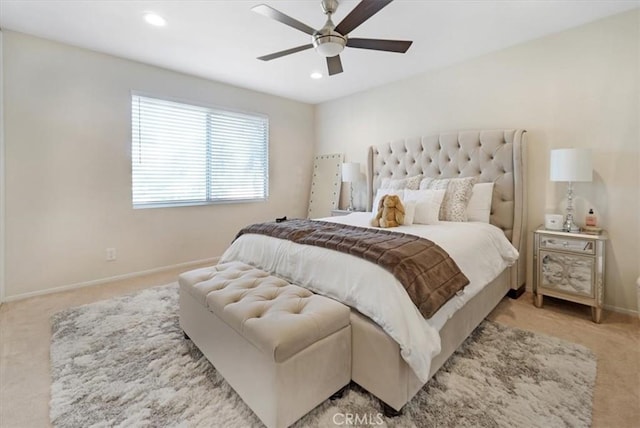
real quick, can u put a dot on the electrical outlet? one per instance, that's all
(111, 254)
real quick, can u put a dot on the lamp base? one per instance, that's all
(569, 225)
(350, 207)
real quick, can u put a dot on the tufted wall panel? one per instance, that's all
(493, 156)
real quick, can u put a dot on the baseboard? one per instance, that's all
(100, 281)
(515, 293)
(621, 310)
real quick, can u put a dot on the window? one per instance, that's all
(187, 155)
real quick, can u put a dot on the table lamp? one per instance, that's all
(350, 174)
(570, 165)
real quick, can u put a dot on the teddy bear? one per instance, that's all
(390, 212)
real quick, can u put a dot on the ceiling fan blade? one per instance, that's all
(334, 65)
(363, 11)
(380, 45)
(285, 52)
(272, 13)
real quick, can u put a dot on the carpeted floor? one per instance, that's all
(124, 362)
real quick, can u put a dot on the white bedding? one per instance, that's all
(480, 250)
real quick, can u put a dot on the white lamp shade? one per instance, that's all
(350, 172)
(571, 165)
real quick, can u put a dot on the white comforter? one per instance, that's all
(480, 250)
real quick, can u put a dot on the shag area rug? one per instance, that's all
(124, 362)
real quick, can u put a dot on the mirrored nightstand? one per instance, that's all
(342, 212)
(569, 266)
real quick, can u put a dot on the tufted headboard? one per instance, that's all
(496, 156)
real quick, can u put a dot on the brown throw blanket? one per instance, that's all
(425, 270)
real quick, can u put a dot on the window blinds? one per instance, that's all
(184, 154)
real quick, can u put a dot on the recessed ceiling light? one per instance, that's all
(316, 75)
(155, 19)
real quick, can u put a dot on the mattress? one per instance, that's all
(481, 251)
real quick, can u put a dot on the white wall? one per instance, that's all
(68, 168)
(578, 88)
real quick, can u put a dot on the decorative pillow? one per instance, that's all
(380, 193)
(403, 183)
(427, 204)
(425, 183)
(456, 198)
(479, 207)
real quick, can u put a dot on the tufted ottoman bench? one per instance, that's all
(283, 349)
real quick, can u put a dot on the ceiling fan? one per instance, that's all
(331, 39)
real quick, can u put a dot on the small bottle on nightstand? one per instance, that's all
(591, 220)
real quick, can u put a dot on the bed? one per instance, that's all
(385, 362)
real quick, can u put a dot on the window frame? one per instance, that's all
(213, 108)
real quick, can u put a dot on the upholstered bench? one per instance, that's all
(283, 349)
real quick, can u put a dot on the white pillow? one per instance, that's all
(427, 204)
(409, 212)
(479, 207)
(380, 194)
(401, 183)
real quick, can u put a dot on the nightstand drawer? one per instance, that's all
(586, 246)
(567, 273)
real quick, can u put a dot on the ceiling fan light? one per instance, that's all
(329, 49)
(330, 45)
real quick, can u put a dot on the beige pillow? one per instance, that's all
(412, 183)
(456, 198)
